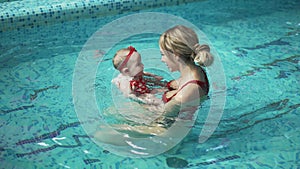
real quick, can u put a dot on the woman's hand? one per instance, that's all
(173, 85)
(170, 93)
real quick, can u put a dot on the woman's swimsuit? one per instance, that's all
(203, 85)
(166, 122)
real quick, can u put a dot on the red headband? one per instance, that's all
(121, 66)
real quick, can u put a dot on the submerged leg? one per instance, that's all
(140, 131)
(110, 136)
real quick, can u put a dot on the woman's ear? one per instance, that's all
(177, 58)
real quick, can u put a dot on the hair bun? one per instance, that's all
(203, 56)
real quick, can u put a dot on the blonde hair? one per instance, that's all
(184, 42)
(119, 57)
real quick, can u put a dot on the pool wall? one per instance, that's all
(32, 13)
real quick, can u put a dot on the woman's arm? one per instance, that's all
(153, 75)
(190, 95)
(154, 80)
(172, 108)
(186, 99)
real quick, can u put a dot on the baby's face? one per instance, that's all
(135, 65)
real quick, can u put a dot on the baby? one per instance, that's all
(132, 81)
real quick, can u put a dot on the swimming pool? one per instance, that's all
(258, 43)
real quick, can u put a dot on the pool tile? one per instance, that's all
(19, 14)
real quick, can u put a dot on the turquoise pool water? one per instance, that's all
(258, 43)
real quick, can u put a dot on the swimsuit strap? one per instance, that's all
(198, 82)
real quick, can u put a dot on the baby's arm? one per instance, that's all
(155, 80)
(122, 84)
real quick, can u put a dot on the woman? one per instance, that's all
(180, 50)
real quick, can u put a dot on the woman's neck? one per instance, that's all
(187, 72)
